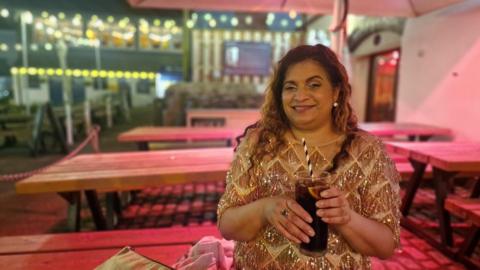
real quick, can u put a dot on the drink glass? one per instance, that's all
(307, 193)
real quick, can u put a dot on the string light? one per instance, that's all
(292, 14)
(27, 17)
(212, 23)
(234, 21)
(248, 20)
(32, 71)
(190, 24)
(298, 23)
(4, 13)
(270, 18)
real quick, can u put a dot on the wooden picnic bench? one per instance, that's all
(447, 159)
(414, 131)
(33, 129)
(86, 250)
(467, 209)
(112, 172)
(229, 118)
(142, 136)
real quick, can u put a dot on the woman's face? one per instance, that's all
(308, 96)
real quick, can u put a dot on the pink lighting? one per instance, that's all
(396, 55)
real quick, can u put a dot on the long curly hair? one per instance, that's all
(274, 123)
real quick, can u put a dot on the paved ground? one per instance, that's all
(161, 207)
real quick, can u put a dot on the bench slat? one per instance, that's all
(103, 240)
(465, 208)
(87, 259)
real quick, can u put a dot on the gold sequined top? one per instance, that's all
(367, 175)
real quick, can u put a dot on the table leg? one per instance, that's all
(142, 146)
(440, 181)
(470, 242)
(96, 210)
(74, 200)
(413, 184)
(476, 189)
(424, 138)
(114, 208)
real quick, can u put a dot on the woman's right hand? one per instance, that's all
(289, 218)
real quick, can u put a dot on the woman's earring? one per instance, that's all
(335, 104)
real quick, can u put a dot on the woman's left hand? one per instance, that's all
(333, 207)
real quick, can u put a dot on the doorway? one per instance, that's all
(382, 90)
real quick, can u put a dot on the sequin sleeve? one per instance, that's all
(240, 189)
(381, 198)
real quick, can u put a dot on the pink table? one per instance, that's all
(447, 160)
(413, 131)
(144, 135)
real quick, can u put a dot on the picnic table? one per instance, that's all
(447, 159)
(112, 172)
(414, 131)
(142, 136)
(86, 250)
(230, 118)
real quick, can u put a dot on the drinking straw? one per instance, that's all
(307, 157)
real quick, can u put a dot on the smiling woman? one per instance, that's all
(308, 98)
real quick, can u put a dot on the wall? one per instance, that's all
(439, 80)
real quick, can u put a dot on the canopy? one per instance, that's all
(401, 8)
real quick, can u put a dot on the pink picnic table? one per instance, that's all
(142, 136)
(112, 172)
(447, 159)
(413, 131)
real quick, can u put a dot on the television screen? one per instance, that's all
(246, 58)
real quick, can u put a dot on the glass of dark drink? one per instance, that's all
(307, 193)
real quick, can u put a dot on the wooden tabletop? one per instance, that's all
(156, 134)
(126, 171)
(10, 245)
(449, 156)
(407, 129)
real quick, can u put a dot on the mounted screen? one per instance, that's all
(246, 58)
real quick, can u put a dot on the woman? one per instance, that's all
(308, 97)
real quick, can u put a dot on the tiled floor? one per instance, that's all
(196, 204)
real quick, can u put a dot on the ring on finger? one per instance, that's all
(284, 213)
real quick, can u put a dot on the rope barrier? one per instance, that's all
(91, 138)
